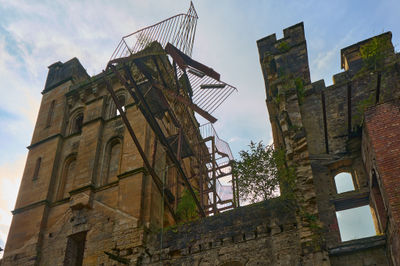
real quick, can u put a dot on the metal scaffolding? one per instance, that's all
(168, 86)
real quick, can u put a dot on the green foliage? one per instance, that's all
(256, 172)
(262, 171)
(299, 89)
(283, 47)
(187, 209)
(288, 82)
(285, 174)
(373, 53)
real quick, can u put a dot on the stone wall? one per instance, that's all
(260, 234)
(54, 204)
(331, 119)
(285, 68)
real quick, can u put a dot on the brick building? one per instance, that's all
(112, 154)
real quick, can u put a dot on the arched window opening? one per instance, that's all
(344, 182)
(113, 111)
(50, 114)
(66, 180)
(121, 101)
(76, 123)
(111, 162)
(37, 168)
(356, 223)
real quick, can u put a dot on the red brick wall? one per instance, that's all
(383, 128)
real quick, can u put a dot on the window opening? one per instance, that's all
(379, 205)
(50, 113)
(344, 182)
(75, 249)
(111, 162)
(37, 168)
(113, 165)
(66, 178)
(121, 101)
(113, 111)
(355, 223)
(78, 123)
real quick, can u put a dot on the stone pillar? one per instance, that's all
(285, 68)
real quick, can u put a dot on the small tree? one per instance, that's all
(256, 172)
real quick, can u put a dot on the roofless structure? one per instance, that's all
(119, 153)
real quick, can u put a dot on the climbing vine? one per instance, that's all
(187, 209)
(283, 47)
(373, 53)
(362, 106)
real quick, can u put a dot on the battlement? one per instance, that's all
(327, 131)
(292, 36)
(283, 58)
(350, 56)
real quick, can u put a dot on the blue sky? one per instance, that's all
(35, 35)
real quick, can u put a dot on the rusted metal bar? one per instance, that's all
(224, 201)
(193, 106)
(178, 97)
(157, 130)
(220, 167)
(201, 184)
(224, 175)
(214, 178)
(150, 169)
(234, 191)
(183, 60)
(176, 77)
(153, 161)
(178, 153)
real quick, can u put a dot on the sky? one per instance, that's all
(33, 35)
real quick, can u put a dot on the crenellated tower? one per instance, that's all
(334, 135)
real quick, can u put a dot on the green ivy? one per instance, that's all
(187, 209)
(283, 47)
(362, 106)
(373, 53)
(285, 174)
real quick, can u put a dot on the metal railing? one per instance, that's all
(178, 30)
(208, 130)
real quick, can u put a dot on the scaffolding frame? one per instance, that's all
(154, 83)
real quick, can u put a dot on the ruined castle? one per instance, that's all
(113, 155)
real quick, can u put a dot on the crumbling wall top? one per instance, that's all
(292, 35)
(350, 56)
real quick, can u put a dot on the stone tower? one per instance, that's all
(113, 155)
(84, 184)
(350, 128)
